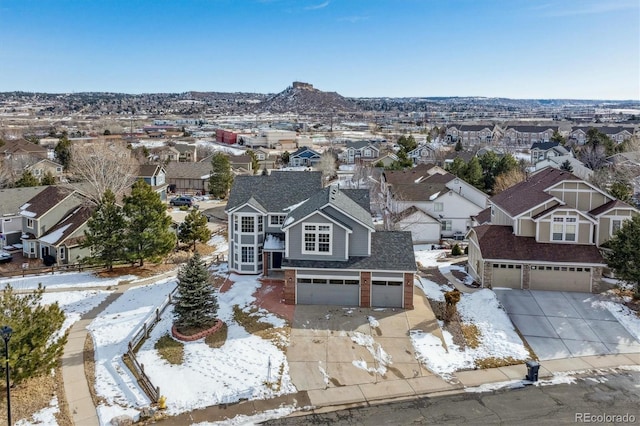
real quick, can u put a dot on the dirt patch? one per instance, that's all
(434, 275)
(33, 395)
(471, 335)
(217, 339)
(90, 369)
(148, 270)
(170, 349)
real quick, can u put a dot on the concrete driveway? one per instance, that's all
(565, 324)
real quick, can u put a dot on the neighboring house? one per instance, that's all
(423, 154)
(304, 157)
(40, 169)
(545, 234)
(558, 162)
(470, 134)
(543, 150)
(187, 153)
(20, 149)
(618, 134)
(430, 202)
(527, 135)
(11, 222)
(165, 154)
(359, 151)
(156, 176)
(240, 164)
(189, 178)
(465, 156)
(323, 239)
(53, 224)
(387, 159)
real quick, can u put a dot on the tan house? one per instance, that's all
(53, 224)
(42, 167)
(545, 234)
(188, 178)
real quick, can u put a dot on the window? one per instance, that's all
(437, 207)
(616, 224)
(61, 252)
(259, 223)
(316, 239)
(446, 225)
(29, 223)
(247, 254)
(235, 223)
(247, 224)
(564, 229)
(276, 219)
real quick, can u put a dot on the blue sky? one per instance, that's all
(583, 49)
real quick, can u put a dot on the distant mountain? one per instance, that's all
(304, 98)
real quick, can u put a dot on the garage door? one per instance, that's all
(386, 293)
(506, 275)
(328, 291)
(560, 278)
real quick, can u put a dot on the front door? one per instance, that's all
(276, 262)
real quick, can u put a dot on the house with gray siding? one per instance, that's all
(322, 239)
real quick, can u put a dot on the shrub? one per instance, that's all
(456, 250)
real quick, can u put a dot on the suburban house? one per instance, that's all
(470, 134)
(165, 154)
(156, 176)
(187, 152)
(527, 135)
(430, 202)
(386, 160)
(423, 154)
(304, 157)
(188, 178)
(618, 134)
(42, 167)
(23, 150)
(543, 150)
(11, 224)
(53, 224)
(359, 151)
(323, 239)
(545, 234)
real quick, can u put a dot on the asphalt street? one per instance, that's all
(613, 398)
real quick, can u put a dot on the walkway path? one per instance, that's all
(81, 407)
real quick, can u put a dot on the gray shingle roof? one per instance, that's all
(276, 191)
(390, 251)
(332, 196)
(12, 198)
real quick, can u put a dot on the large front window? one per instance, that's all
(316, 239)
(564, 229)
(247, 255)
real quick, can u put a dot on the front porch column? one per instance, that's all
(408, 290)
(265, 263)
(290, 286)
(365, 289)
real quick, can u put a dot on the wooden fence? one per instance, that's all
(153, 392)
(44, 270)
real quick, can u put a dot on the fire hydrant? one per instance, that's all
(162, 402)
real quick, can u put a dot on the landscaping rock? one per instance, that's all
(122, 420)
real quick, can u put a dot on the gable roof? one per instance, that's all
(45, 201)
(397, 217)
(360, 144)
(423, 187)
(177, 170)
(544, 146)
(276, 191)
(390, 251)
(531, 129)
(530, 193)
(613, 204)
(361, 196)
(334, 197)
(308, 152)
(12, 198)
(499, 243)
(68, 225)
(148, 170)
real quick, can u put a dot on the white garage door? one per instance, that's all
(506, 275)
(560, 278)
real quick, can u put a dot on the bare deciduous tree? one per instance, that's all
(104, 165)
(507, 180)
(327, 165)
(594, 157)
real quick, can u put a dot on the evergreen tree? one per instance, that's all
(285, 157)
(407, 143)
(105, 232)
(196, 304)
(48, 179)
(624, 256)
(221, 177)
(149, 233)
(194, 229)
(473, 173)
(36, 343)
(557, 137)
(457, 167)
(458, 146)
(566, 166)
(27, 179)
(62, 152)
(255, 164)
(621, 190)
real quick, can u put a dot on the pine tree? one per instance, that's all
(62, 152)
(48, 179)
(255, 164)
(36, 343)
(624, 253)
(221, 177)
(194, 229)
(196, 304)
(473, 173)
(149, 234)
(105, 232)
(566, 166)
(27, 179)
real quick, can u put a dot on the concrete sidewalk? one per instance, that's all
(81, 407)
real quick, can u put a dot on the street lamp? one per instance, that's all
(6, 335)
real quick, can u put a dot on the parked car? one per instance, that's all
(183, 201)
(5, 257)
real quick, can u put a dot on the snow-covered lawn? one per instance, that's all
(71, 280)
